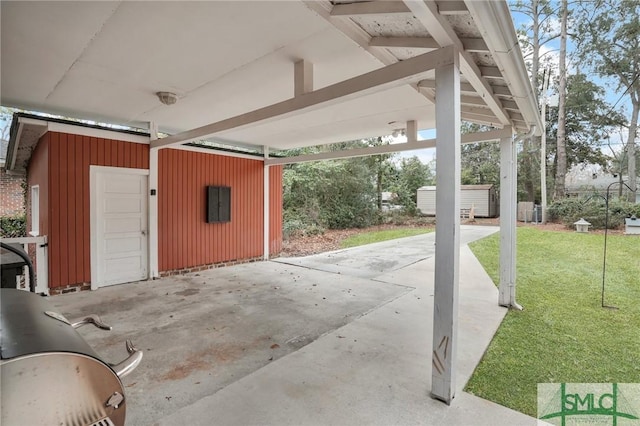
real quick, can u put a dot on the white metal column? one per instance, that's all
(266, 205)
(508, 206)
(447, 257)
(153, 205)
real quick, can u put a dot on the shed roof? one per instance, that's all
(106, 60)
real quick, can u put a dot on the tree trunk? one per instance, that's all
(631, 150)
(379, 185)
(561, 149)
(528, 162)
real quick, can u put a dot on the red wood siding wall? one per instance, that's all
(68, 206)
(38, 174)
(185, 239)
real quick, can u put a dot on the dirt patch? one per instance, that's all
(203, 360)
(330, 240)
(187, 292)
(195, 362)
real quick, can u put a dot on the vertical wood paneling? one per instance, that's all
(161, 194)
(87, 146)
(79, 201)
(100, 153)
(69, 159)
(185, 239)
(61, 195)
(114, 153)
(122, 161)
(93, 151)
(54, 237)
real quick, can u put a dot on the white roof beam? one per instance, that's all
(487, 136)
(350, 29)
(511, 105)
(480, 119)
(452, 7)
(363, 39)
(393, 75)
(369, 8)
(406, 42)
(490, 72)
(501, 91)
(467, 87)
(431, 84)
(426, 11)
(302, 77)
(516, 116)
(472, 100)
(470, 44)
(358, 152)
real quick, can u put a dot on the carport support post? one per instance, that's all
(447, 257)
(153, 204)
(266, 204)
(508, 205)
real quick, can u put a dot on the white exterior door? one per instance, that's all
(119, 226)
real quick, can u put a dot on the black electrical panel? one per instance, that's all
(218, 204)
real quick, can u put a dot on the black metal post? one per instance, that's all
(606, 232)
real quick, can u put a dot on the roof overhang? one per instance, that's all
(227, 60)
(27, 129)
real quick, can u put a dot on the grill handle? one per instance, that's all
(92, 319)
(128, 365)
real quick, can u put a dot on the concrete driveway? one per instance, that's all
(337, 338)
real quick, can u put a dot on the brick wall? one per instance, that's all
(11, 194)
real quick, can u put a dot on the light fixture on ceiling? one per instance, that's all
(398, 132)
(167, 98)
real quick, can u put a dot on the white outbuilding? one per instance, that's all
(482, 198)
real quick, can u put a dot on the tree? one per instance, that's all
(5, 121)
(561, 147)
(609, 42)
(412, 174)
(588, 121)
(536, 33)
(480, 164)
(328, 194)
(380, 165)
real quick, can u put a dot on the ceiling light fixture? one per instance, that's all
(167, 98)
(398, 132)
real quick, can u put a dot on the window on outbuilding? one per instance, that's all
(35, 211)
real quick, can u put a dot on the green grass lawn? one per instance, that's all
(377, 236)
(563, 334)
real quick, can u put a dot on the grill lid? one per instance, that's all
(26, 328)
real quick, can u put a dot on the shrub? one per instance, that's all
(593, 210)
(293, 228)
(13, 226)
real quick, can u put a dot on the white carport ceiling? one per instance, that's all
(105, 61)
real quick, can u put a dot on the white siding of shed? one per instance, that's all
(480, 198)
(426, 200)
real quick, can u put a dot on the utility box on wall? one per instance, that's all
(218, 204)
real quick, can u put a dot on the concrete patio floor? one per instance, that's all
(339, 338)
